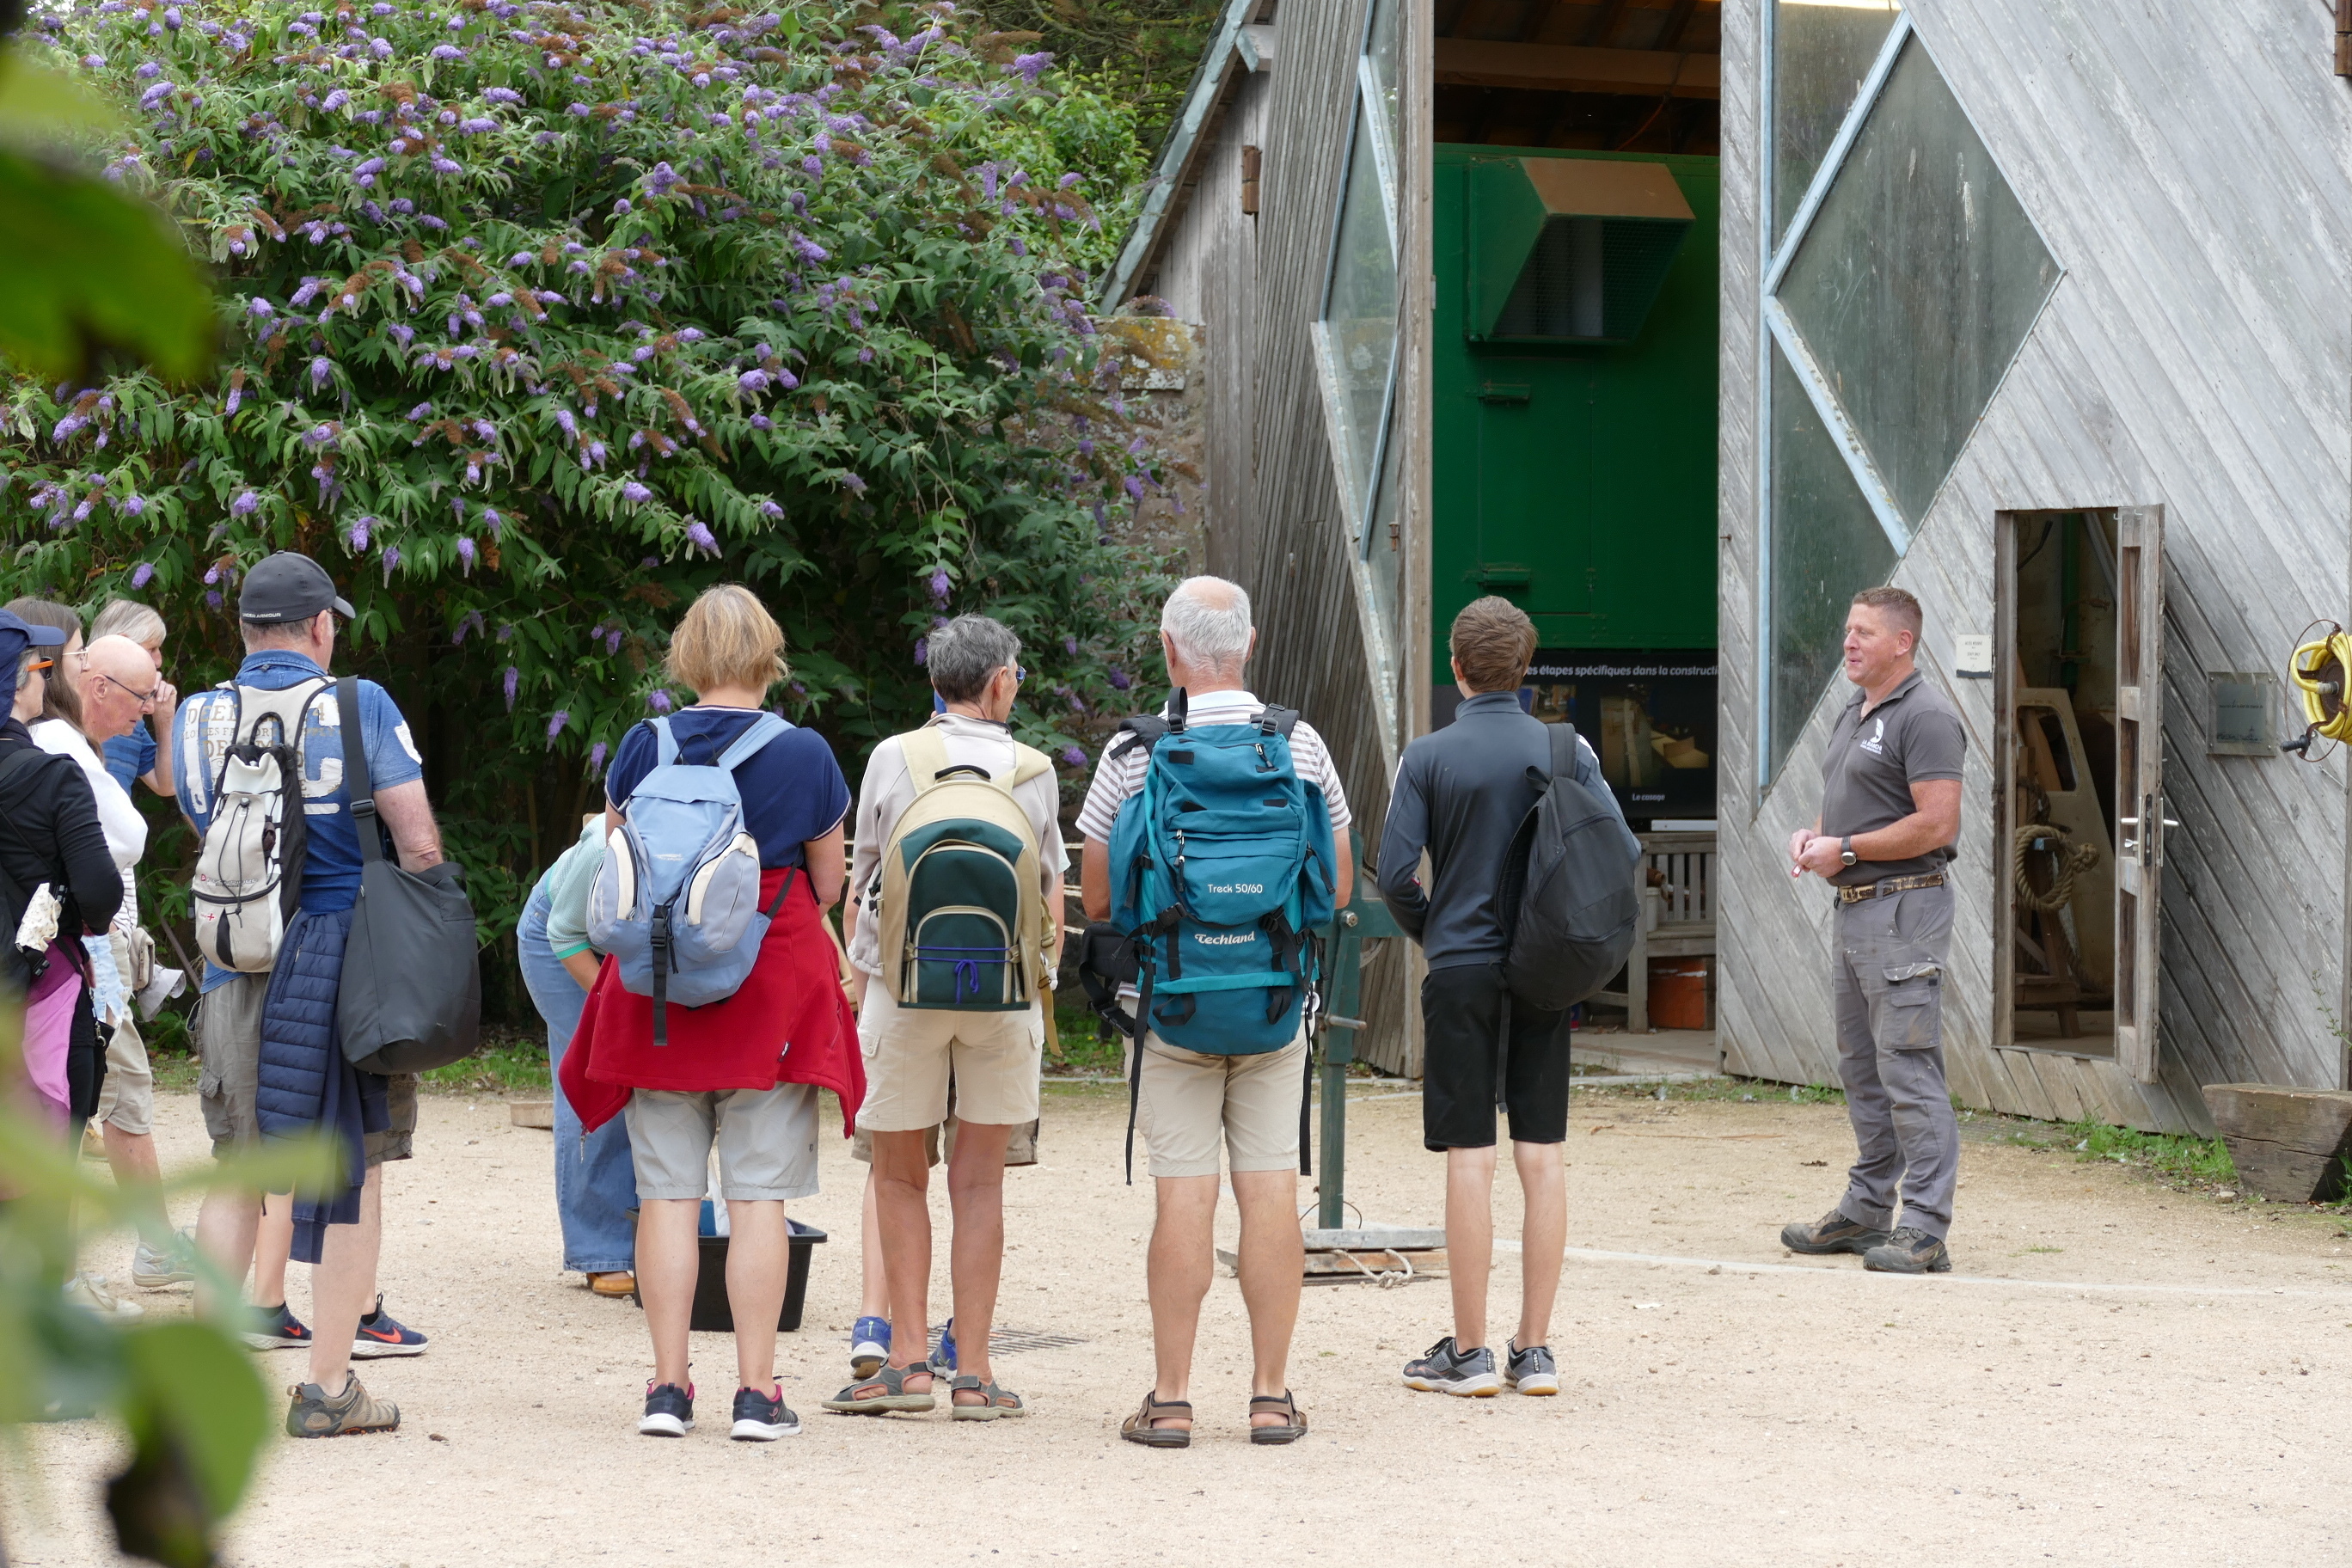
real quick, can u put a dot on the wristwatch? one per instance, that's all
(1846, 850)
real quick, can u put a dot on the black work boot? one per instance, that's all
(1909, 1251)
(1831, 1233)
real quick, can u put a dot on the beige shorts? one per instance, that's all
(128, 1099)
(1192, 1102)
(228, 1038)
(766, 1140)
(993, 1059)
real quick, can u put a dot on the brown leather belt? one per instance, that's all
(1890, 886)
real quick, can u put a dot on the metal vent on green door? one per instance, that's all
(1569, 251)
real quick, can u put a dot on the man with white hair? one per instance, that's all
(1193, 1102)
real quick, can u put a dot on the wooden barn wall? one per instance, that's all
(1207, 272)
(1295, 558)
(2188, 165)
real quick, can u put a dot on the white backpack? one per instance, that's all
(249, 871)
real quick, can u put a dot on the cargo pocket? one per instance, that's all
(1911, 1009)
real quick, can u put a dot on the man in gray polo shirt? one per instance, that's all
(1890, 812)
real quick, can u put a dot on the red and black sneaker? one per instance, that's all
(274, 1328)
(381, 1334)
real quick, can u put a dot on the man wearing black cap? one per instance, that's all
(271, 1063)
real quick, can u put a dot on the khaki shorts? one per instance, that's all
(228, 1038)
(128, 1101)
(766, 1140)
(911, 1055)
(1192, 1102)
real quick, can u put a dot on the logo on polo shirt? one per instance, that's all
(1877, 744)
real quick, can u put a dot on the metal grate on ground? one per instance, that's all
(1012, 1341)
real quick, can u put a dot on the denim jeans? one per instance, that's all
(595, 1183)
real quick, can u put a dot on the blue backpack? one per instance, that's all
(1222, 868)
(677, 901)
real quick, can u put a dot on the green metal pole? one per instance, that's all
(1339, 1025)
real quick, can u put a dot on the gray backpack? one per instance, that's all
(1566, 896)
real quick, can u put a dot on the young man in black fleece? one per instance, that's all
(1461, 793)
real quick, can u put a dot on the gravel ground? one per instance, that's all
(2117, 1373)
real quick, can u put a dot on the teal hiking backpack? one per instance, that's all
(1222, 868)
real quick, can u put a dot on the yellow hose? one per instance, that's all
(2318, 671)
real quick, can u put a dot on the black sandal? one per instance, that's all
(1282, 1405)
(1138, 1428)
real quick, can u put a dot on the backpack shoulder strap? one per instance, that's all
(356, 780)
(924, 753)
(1028, 762)
(664, 743)
(1277, 721)
(1563, 750)
(1145, 730)
(755, 735)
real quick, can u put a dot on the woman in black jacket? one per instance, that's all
(49, 834)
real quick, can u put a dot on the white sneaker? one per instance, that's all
(89, 1292)
(152, 1271)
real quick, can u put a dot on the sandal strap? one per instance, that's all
(1283, 1401)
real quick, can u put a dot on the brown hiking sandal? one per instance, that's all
(315, 1413)
(1138, 1428)
(1285, 1404)
(1909, 1251)
(1831, 1233)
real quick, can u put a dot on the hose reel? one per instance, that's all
(2319, 671)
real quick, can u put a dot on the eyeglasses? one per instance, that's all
(1019, 674)
(40, 664)
(146, 698)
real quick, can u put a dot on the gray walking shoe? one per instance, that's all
(1831, 1233)
(1909, 1251)
(315, 1413)
(1450, 1369)
(1531, 1369)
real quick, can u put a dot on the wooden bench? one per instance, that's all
(1677, 918)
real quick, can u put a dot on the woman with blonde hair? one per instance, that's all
(741, 1074)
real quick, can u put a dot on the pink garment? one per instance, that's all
(48, 1032)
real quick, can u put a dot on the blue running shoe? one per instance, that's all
(382, 1334)
(943, 1355)
(869, 1346)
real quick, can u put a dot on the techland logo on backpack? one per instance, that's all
(1230, 939)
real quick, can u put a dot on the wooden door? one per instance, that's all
(2139, 783)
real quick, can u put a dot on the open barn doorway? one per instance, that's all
(2058, 671)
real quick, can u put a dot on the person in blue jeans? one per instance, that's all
(595, 1181)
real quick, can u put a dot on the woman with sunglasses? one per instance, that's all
(100, 692)
(58, 882)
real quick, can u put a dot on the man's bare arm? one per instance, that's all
(409, 815)
(1094, 879)
(1934, 822)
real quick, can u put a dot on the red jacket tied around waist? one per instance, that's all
(788, 1024)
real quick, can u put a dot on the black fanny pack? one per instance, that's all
(1106, 962)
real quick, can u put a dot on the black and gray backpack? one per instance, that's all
(1566, 896)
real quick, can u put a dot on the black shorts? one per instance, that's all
(1461, 1009)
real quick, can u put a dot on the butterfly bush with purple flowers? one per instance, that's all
(544, 320)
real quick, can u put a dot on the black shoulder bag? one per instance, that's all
(411, 997)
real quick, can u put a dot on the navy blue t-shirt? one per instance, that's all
(793, 789)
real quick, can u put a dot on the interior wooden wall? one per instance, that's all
(2188, 165)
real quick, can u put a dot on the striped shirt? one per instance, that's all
(1117, 778)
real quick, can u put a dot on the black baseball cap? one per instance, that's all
(17, 634)
(288, 587)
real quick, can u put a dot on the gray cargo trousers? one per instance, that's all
(1888, 987)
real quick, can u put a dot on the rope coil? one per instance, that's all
(2070, 859)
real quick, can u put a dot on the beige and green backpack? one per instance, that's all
(964, 925)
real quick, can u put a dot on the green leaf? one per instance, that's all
(36, 104)
(84, 267)
(194, 1387)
